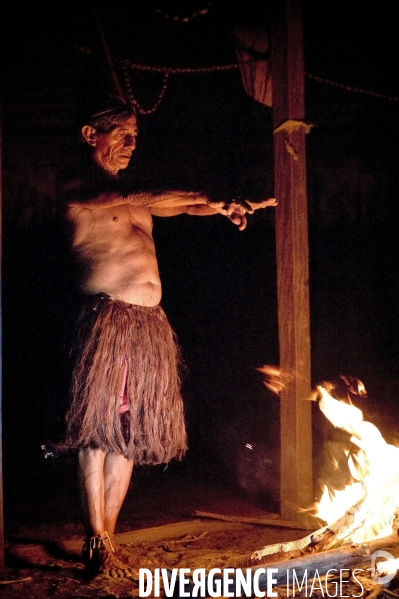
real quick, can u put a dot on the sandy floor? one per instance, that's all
(54, 569)
(161, 523)
(158, 523)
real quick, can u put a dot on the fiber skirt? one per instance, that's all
(125, 390)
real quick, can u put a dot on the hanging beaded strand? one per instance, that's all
(133, 100)
(127, 66)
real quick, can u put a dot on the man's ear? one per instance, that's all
(89, 134)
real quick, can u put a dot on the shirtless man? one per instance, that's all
(125, 406)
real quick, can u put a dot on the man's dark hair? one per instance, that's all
(100, 108)
(110, 117)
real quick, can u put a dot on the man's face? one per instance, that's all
(113, 150)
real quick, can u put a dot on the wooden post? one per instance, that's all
(1, 354)
(292, 256)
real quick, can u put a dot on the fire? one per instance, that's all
(365, 512)
(368, 508)
(373, 497)
(387, 567)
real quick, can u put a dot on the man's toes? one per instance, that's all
(116, 569)
(117, 573)
(127, 556)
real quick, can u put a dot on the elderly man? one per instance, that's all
(126, 406)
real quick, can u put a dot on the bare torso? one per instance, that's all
(115, 252)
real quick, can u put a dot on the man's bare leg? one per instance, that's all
(117, 474)
(117, 478)
(104, 481)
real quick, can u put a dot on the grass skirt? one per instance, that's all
(111, 335)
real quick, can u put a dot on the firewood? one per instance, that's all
(346, 558)
(376, 592)
(343, 559)
(322, 539)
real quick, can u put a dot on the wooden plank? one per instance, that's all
(292, 258)
(277, 522)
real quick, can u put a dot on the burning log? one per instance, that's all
(342, 561)
(322, 539)
(347, 557)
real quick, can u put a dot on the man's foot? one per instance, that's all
(127, 556)
(100, 559)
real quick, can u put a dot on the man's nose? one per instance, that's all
(130, 141)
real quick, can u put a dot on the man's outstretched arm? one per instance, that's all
(235, 210)
(88, 190)
(82, 192)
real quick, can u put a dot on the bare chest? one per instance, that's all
(91, 226)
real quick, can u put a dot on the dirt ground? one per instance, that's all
(162, 522)
(158, 522)
(54, 569)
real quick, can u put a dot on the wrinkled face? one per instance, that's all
(113, 150)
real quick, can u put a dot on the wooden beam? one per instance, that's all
(292, 256)
(2, 556)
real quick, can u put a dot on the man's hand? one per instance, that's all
(236, 210)
(263, 203)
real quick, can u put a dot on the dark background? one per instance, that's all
(219, 283)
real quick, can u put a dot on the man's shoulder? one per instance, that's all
(72, 176)
(84, 183)
(81, 172)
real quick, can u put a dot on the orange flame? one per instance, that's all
(373, 496)
(375, 470)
